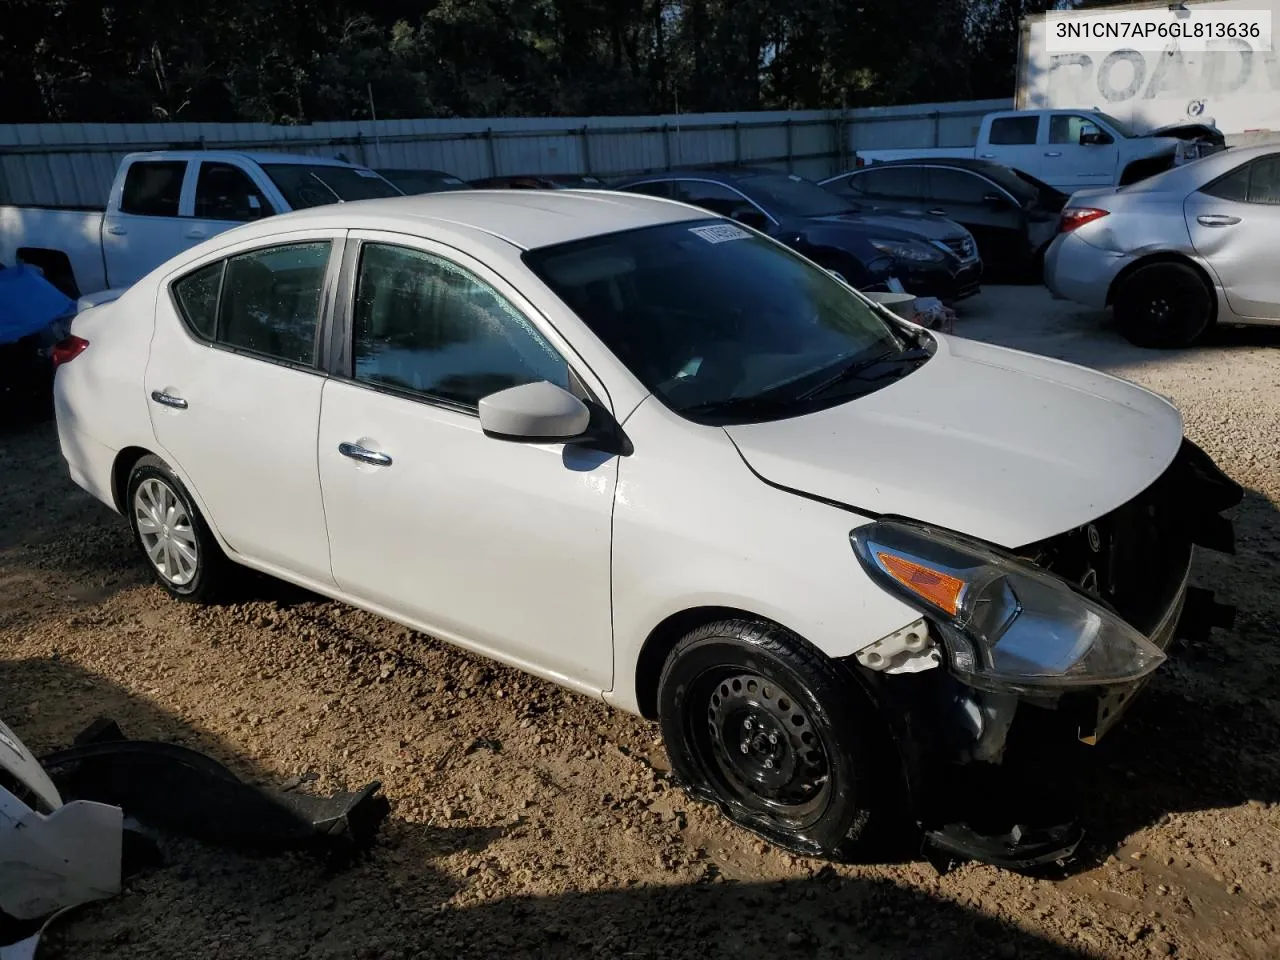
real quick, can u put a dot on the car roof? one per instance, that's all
(527, 219)
(965, 163)
(259, 157)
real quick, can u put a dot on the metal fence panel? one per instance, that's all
(72, 164)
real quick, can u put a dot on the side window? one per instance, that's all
(956, 186)
(197, 296)
(1232, 186)
(1014, 131)
(1066, 127)
(425, 325)
(896, 183)
(224, 192)
(653, 188)
(711, 196)
(153, 188)
(1264, 181)
(271, 300)
(853, 185)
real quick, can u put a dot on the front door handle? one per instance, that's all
(168, 400)
(197, 233)
(364, 454)
(986, 156)
(1216, 220)
(937, 212)
(117, 230)
(1053, 153)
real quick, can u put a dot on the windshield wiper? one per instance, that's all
(858, 369)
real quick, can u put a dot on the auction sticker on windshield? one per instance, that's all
(720, 233)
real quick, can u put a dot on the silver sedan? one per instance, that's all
(1178, 252)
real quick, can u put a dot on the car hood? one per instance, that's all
(900, 225)
(997, 444)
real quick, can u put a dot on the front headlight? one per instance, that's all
(913, 250)
(1007, 625)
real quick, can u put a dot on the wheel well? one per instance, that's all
(1146, 167)
(1155, 258)
(661, 640)
(55, 265)
(120, 471)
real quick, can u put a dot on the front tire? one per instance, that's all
(172, 536)
(1163, 305)
(771, 731)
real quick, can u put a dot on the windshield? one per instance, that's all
(792, 196)
(1121, 128)
(307, 186)
(720, 323)
(422, 181)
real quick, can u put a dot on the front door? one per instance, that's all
(1070, 165)
(233, 386)
(1234, 223)
(500, 546)
(1016, 140)
(224, 197)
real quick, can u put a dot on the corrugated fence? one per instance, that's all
(72, 164)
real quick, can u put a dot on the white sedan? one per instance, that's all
(656, 457)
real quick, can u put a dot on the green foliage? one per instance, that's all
(298, 61)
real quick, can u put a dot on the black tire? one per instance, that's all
(1163, 305)
(211, 573)
(818, 789)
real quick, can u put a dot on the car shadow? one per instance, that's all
(410, 895)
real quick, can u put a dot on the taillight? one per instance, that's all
(64, 351)
(1074, 217)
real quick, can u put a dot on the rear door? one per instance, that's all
(234, 383)
(1235, 225)
(1016, 140)
(1070, 165)
(143, 226)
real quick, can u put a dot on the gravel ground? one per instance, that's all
(560, 835)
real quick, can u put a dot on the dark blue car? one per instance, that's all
(929, 255)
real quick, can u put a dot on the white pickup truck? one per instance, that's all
(163, 202)
(1073, 149)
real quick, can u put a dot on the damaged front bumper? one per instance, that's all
(987, 768)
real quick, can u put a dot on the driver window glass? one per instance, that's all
(224, 192)
(1066, 128)
(714, 197)
(425, 325)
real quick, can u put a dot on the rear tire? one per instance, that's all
(1163, 305)
(777, 736)
(172, 536)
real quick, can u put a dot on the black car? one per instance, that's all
(541, 181)
(411, 182)
(1012, 216)
(928, 255)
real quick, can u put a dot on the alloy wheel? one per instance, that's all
(166, 531)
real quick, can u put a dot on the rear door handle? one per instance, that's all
(364, 454)
(1216, 220)
(168, 400)
(1053, 153)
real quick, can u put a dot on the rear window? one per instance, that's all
(153, 188)
(1014, 131)
(314, 186)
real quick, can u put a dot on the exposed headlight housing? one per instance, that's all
(914, 251)
(1007, 625)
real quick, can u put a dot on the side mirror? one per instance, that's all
(751, 217)
(537, 412)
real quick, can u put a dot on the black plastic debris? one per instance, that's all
(174, 789)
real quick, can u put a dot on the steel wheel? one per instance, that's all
(166, 531)
(762, 745)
